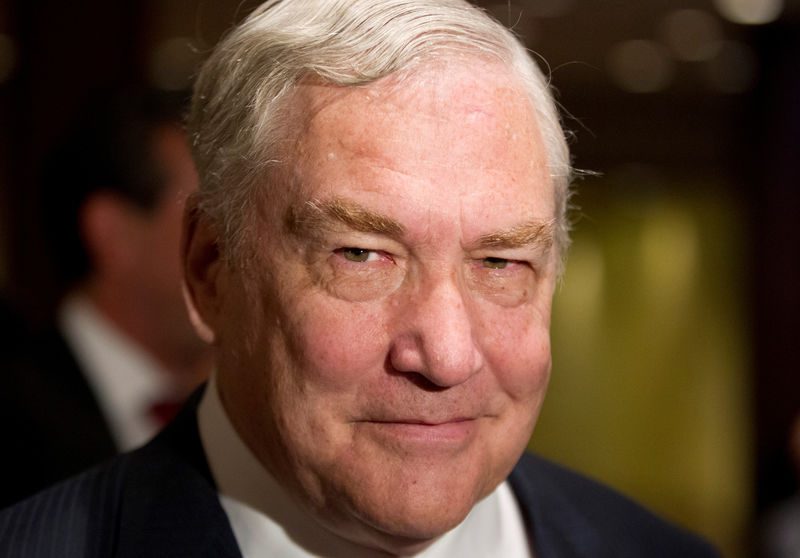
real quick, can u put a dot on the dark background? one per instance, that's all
(741, 129)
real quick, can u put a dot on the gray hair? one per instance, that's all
(243, 89)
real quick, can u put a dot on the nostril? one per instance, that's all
(425, 384)
(429, 370)
(436, 343)
(405, 355)
(405, 361)
(417, 379)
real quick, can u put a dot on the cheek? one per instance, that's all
(339, 343)
(518, 351)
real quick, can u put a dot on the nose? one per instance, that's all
(436, 336)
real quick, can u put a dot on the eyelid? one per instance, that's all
(496, 263)
(372, 255)
(516, 264)
(508, 261)
(528, 254)
(364, 241)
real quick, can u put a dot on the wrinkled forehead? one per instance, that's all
(452, 100)
(447, 88)
(472, 119)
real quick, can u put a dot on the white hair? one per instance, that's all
(244, 87)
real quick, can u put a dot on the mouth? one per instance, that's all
(423, 434)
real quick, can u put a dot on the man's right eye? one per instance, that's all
(359, 255)
(495, 263)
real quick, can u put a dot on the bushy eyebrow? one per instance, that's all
(538, 233)
(316, 217)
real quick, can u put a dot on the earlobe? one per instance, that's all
(202, 271)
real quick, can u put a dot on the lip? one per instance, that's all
(446, 434)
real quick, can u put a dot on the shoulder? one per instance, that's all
(44, 401)
(72, 519)
(571, 515)
(152, 501)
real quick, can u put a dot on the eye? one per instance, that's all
(358, 255)
(495, 263)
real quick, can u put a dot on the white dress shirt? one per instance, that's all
(125, 379)
(267, 522)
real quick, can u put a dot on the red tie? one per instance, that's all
(164, 411)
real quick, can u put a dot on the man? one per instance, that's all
(94, 382)
(373, 252)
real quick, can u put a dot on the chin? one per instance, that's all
(397, 545)
(403, 538)
(412, 519)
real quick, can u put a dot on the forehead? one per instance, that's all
(449, 129)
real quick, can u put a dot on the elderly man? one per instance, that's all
(373, 254)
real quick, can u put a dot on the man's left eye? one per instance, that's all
(358, 255)
(495, 263)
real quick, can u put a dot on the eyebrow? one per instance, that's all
(537, 233)
(316, 217)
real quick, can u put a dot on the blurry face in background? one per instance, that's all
(386, 351)
(156, 241)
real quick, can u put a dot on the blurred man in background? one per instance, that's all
(120, 355)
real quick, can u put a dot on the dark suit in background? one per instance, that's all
(50, 421)
(123, 161)
(160, 500)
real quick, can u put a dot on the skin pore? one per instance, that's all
(385, 351)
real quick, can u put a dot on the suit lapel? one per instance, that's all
(555, 527)
(170, 506)
(50, 419)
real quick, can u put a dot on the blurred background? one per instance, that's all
(675, 331)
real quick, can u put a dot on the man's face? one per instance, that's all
(385, 352)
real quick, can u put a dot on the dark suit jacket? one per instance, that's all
(160, 501)
(49, 418)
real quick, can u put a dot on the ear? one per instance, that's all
(203, 271)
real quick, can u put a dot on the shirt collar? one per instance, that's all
(125, 379)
